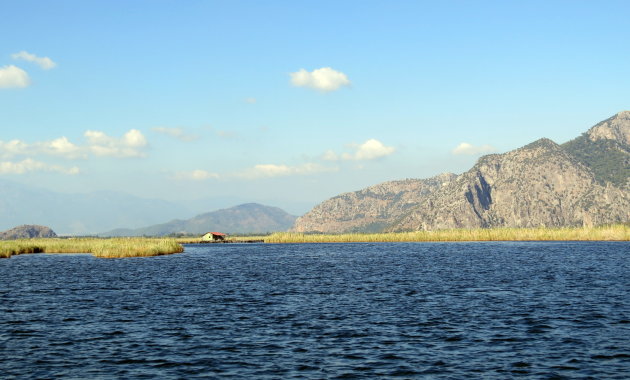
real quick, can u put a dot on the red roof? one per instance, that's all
(217, 233)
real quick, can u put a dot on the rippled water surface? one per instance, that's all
(434, 310)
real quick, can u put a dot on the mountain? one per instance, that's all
(27, 232)
(371, 209)
(582, 182)
(79, 214)
(245, 218)
(605, 148)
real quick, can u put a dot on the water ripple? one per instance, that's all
(347, 311)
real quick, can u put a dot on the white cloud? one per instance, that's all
(12, 148)
(177, 133)
(271, 170)
(372, 149)
(43, 62)
(13, 77)
(58, 147)
(196, 175)
(469, 149)
(62, 147)
(132, 144)
(251, 100)
(325, 79)
(30, 165)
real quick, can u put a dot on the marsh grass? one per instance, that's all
(104, 248)
(617, 232)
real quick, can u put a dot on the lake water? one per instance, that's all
(407, 310)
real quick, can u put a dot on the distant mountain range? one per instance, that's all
(80, 214)
(93, 213)
(245, 218)
(585, 181)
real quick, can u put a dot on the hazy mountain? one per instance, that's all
(245, 218)
(78, 214)
(28, 232)
(583, 182)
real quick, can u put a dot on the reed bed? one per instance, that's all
(618, 232)
(103, 248)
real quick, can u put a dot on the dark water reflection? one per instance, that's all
(449, 310)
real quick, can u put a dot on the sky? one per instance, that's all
(288, 103)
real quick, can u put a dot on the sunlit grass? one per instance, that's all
(617, 232)
(105, 248)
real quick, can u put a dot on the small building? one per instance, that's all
(213, 236)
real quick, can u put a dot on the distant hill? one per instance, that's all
(27, 232)
(80, 214)
(583, 182)
(245, 218)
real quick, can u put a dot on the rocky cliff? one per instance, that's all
(537, 185)
(540, 184)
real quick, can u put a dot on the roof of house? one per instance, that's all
(216, 233)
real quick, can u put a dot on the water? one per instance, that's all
(443, 310)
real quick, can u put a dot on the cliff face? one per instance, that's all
(583, 182)
(537, 185)
(372, 209)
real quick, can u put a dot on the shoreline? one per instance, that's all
(146, 247)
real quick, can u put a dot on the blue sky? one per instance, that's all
(291, 102)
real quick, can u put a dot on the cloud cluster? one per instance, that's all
(372, 149)
(12, 76)
(43, 62)
(30, 165)
(469, 149)
(325, 79)
(131, 144)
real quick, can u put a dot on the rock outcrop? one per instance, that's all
(582, 182)
(28, 232)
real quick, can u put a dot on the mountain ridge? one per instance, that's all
(540, 184)
(244, 218)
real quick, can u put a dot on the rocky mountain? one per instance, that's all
(605, 149)
(27, 232)
(582, 182)
(372, 209)
(245, 218)
(80, 214)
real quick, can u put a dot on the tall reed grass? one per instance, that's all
(617, 232)
(104, 248)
